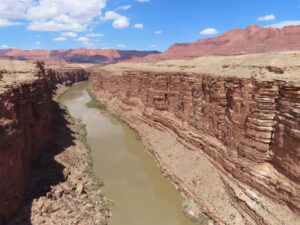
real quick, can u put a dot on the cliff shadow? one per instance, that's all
(46, 171)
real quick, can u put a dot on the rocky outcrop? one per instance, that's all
(254, 39)
(25, 127)
(242, 113)
(75, 55)
(68, 74)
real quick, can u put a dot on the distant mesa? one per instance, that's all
(254, 39)
(101, 56)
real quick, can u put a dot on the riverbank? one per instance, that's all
(142, 195)
(223, 135)
(168, 153)
(62, 188)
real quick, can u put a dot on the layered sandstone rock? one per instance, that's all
(69, 74)
(253, 39)
(226, 130)
(25, 127)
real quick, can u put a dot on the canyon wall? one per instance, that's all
(25, 127)
(242, 112)
(26, 121)
(69, 74)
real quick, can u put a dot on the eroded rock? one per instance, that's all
(247, 126)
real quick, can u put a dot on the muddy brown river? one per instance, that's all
(142, 195)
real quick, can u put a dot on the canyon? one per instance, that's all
(224, 130)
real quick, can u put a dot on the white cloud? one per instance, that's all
(139, 26)
(285, 23)
(209, 31)
(14, 9)
(120, 22)
(158, 32)
(82, 39)
(6, 23)
(125, 7)
(74, 9)
(266, 17)
(152, 46)
(6, 47)
(86, 42)
(121, 46)
(55, 26)
(69, 34)
(94, 35)
(60, 39)
(110, 15)
(53, 15)
(38, 43)
(143, 0)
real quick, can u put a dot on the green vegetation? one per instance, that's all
(116, 117)
(83, 138)
(232, 217)
(119, 119)
(137, 136)
(193, 210)
(94, 103)
(104, 206)
(97, 183)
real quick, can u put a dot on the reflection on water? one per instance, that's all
(142, 195)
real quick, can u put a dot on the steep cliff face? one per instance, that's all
(242, 112)
(25, 127)
(69, 74)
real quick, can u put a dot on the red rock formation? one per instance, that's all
(25, 127)
(254, 39)
(75, 55)
(68, 74)
(247, 124)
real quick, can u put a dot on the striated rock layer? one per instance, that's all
(26, 121)
(225, 130)
(253, 39)
(69, 74)
(25, 127)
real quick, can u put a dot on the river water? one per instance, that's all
(142, 195)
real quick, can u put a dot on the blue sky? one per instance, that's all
(132, 24)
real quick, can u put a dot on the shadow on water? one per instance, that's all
(46, 171)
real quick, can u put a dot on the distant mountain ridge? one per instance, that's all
(75, 55)
(253, 39)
